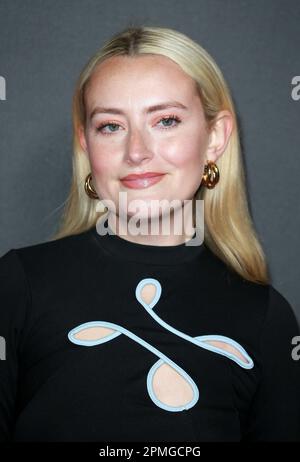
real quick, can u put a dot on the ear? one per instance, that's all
(82, 139)
(219, 135)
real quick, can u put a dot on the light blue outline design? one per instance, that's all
(183, 374)
(200, 341)
(163, 358)
(92, 342)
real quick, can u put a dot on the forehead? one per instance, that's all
(126, 75)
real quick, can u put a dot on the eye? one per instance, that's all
(172, 118)
(100, 128)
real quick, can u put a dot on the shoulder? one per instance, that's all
(277, 319)
(253, 306)
(247, 300)
(44, 256)
(280, 319)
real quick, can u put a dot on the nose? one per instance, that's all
(138, 147)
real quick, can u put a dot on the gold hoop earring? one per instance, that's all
(211, 175)
(89, 188)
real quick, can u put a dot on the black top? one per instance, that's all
(104, 339)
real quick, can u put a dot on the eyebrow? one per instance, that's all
(149, 110)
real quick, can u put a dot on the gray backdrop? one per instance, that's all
(43, 47)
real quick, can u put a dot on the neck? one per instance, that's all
(173, 230)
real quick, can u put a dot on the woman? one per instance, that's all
(188, 340)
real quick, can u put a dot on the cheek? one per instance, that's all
(103, 163)
(185, 154)
(101, 166)
(188, 148)
(187, 158)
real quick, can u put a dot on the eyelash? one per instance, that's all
(174, 117)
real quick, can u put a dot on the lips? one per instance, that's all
(141, 181)
(135, 176)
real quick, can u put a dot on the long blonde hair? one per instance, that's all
(228, 230)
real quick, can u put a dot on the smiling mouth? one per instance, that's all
(142, 183)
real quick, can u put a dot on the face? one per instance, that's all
(131, 136)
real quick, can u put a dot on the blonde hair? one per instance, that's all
(228, 230)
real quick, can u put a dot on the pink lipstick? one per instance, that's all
(141, 181)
